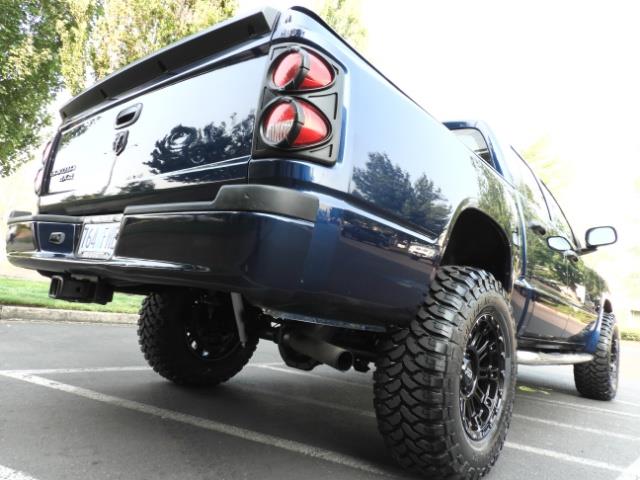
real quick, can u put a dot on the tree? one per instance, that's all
(130, 29)
(29, 74)
(343, 16)
(50, 43)
(554, 172)
(113, 33)
(74, 52)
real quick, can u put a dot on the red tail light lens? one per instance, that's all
(294, 123)
(287, 69)
(318, 75)
(314, 127)
(301, 70)
(279, 123)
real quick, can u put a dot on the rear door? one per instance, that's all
(545, 269)
(579, 298)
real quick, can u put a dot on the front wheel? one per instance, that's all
(191, 338)
(598, 379)
(444, 385)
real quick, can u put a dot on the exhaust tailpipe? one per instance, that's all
(319, 350)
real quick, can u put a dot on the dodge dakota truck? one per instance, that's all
(262, 180)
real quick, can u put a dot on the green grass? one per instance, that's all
(36, 294)
(630, 334)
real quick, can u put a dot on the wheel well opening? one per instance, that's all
(477, 241)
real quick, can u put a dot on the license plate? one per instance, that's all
(98, 240)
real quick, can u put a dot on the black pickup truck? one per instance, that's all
(262, 180)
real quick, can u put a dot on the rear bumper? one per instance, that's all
(309, 256)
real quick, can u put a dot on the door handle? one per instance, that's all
(128, 116)
(537, 227)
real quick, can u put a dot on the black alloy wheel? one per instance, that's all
(191, 337)
(444, 384)
(211, 337)
(482, 376)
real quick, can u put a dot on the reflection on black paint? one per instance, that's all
(389, 186)
(77, 131)
(490, 194)
(185, 147)
(143, 186)
(363, 230)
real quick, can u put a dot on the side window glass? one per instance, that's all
(525, 181)
(558, 219)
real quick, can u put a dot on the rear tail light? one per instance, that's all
(37, 181)
(298, 69)
(293, 123)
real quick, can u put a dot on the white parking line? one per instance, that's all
(291, 445)
(7, 473)
(49, 371)
(632, 472)
(351, 410)
(231, 430)
(625, 402)
(579, 428)
(370, 414)
(578, 406)
(564, 457)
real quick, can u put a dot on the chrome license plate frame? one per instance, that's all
(98, 240)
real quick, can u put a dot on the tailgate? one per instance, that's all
(177, 136)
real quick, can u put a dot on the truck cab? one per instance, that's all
(557, 299)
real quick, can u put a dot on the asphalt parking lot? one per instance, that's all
(77, 401)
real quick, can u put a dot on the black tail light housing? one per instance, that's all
(300, 109)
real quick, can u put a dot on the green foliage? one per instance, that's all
(29, 67)
(74, 53)
(36, 294)
(127, 30)
(630, 335)
(344, 17)
(110, 34)
(554, 172)
(50, 42)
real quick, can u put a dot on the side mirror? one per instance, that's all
(559, 244)
(599, 236)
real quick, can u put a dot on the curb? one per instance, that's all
(9, 312)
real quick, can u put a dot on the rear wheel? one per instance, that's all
(191, 338)
(444, 385)
(598, 379)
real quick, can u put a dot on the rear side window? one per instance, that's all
(524, 180)
(558, 218)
